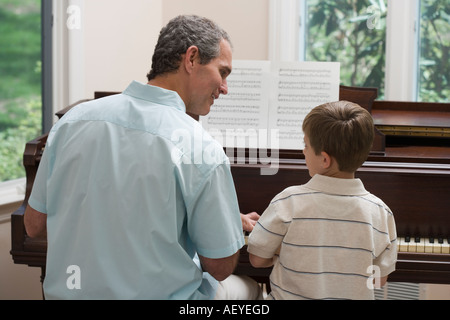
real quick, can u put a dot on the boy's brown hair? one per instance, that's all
(342, 129)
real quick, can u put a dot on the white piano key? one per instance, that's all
(246, 235)
(420, 246)
(446, 247)
(412, 245)
(428, 246)
(402, 245)
(437, 246)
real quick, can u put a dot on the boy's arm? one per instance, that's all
(259, 262)
(264, 242)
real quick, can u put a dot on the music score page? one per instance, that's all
(267, 102)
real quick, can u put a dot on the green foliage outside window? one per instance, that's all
(352, 32)
(434, 81)
(20, 82)
(13, 140)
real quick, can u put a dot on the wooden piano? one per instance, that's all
(409, 169)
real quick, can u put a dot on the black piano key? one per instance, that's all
(407, 239)
(417, 239)
(431, 240)
(441, 240)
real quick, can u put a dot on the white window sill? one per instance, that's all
(12, 194)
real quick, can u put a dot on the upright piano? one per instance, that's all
(408, 168)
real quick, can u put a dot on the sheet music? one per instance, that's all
(268, 101)
(243, 111)
(300, 86)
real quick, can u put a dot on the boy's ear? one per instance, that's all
(326, 160)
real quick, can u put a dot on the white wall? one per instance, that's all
(247, 22)
(120, 37)
(116, 38)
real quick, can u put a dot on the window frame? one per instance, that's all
(402, 50)
(47, 64)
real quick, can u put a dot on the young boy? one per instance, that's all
(329, 238)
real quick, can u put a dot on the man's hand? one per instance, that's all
(249, 220)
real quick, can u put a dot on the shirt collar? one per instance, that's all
(155, 94)
(330, 185)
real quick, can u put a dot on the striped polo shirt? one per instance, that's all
(330, 236)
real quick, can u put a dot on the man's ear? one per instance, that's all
(190, 58)
(326, 160)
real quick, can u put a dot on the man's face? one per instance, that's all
(209, 81)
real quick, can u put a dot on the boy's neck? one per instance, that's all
(334, 172)
(341, 175)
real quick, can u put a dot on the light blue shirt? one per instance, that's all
(133, 189)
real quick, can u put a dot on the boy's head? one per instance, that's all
(343, 130)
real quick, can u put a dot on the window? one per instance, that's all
(399, 46)
(434, 84)
(352, 32)
(20, 82)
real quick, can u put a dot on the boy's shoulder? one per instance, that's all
(378, 201)
(291, 192)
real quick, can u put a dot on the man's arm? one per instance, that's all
(249, 220)
(220, 269)
(35, 223)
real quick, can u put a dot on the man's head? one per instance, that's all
(197, 54)
(181, 33)
(343, 130)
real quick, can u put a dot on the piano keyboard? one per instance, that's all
(423, 245)
(418, 245)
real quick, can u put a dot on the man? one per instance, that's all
(131, 189)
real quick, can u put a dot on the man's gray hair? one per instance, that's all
(181, 33)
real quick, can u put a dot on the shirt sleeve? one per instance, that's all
(214, 222)
(268, 234)
(387, 259)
